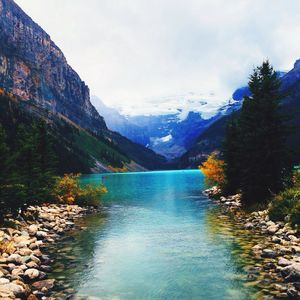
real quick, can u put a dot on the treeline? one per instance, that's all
(255, 151)
(254, 160)
(27, 167)
(42, 156)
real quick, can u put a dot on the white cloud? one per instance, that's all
(133, 51)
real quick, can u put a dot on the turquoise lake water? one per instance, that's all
(157, 238)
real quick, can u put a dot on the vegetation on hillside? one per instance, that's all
(31, 151)
(68, 139)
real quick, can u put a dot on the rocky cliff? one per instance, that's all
(35, 69)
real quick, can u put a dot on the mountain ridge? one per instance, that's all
(36, 71)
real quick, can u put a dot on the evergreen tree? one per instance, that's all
(231, 147)
(46, 161)
(4, 156)
(262, 137)
(34, 162)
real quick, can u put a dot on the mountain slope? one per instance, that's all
(167, 134)
(212, 137)
(35, 70)
(67, 138)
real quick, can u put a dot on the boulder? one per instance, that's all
(32, 229)
(272, 229)
(269, 253)
(32, 274)
(4, 281)
(249, 225)
(283, 262)
(41, 234)
(16, 289)
(47, 284)
(15, 258)
(291, 272)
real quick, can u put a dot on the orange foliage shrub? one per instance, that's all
(213, 170)
(68, 190)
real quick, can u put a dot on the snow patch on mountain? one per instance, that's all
(180, 104)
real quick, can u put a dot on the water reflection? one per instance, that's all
(159, 238)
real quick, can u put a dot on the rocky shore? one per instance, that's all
(24, 263)
(278, 252)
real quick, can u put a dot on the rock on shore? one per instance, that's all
(22, 262)
(279, 247)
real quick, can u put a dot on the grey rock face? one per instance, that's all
(35, 69)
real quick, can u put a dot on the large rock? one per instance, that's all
(13, 288)
(15, 258)
(283, 262)
(272, 229)
(32, 229)
(32, 274)
(269, 253)
(3, 281)
(41, 234)
(291, 272)
(47, 284)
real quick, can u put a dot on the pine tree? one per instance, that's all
(4, 155)
(262, 137)
(231, 147)
(35, 162)
(46, 161)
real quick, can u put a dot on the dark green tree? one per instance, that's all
(231, 148)
(262, 137)
(4, 156)
(46, 160)
(34, 162)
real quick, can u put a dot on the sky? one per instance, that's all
(140, 55)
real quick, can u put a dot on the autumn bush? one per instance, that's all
(213, 170)
(68, 190)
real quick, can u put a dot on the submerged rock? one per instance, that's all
(47, 284)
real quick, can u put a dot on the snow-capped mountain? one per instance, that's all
(175, 129)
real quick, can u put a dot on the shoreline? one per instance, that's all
(24, 263)
(279, 248)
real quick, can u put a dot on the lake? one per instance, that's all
(158, 237)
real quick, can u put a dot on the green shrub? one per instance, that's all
(295, 215)
(287, 203)
(279, 209)
(90, 195)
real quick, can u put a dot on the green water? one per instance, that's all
(157, 238)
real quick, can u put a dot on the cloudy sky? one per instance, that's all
(132, 53)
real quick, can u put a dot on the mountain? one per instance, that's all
(168, 134)
(119, 123)
(211, 138)
(35, 71)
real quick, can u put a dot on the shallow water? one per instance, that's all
(157, 238)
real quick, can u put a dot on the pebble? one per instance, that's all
(278, 250)
(24, 259)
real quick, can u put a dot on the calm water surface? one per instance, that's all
(157, 238)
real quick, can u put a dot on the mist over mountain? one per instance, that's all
(169, 134)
